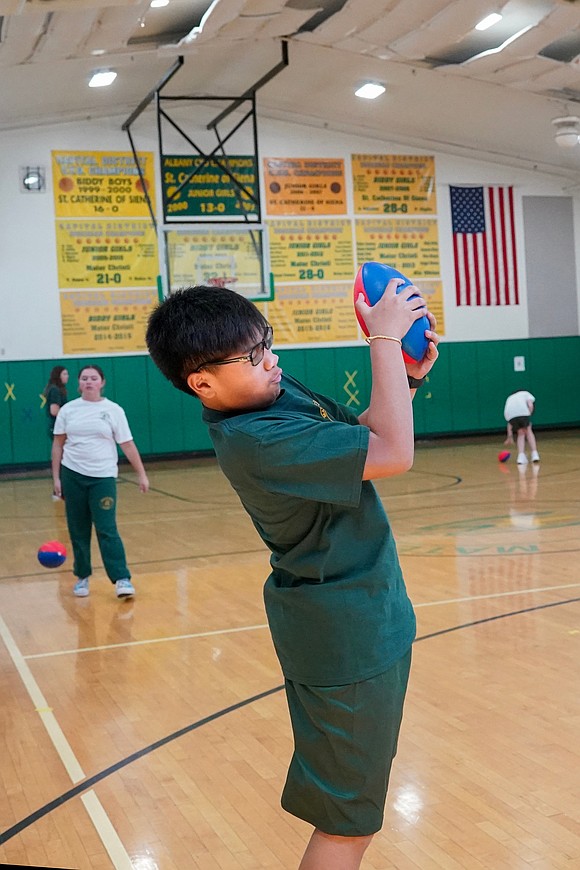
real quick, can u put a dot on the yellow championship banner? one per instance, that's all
(393, 184)
(106, 253)
(411, 246)
(311, 250)
(305, 313)
(229, 258)
(433, 293)
(105, 321)
(101, 184)
(296, 185)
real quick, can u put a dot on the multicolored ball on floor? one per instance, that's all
(51, 554)
(503, 455)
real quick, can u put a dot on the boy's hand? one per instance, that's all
(420, 369)
(394, 313)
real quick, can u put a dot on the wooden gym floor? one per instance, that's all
(153, 734)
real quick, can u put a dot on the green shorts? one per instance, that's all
(345, 739)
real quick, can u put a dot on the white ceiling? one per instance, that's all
(447, 89)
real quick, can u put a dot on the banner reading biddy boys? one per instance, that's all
(101, 184)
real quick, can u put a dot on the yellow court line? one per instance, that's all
(105, 830)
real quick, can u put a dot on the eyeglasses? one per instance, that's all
(254, 356)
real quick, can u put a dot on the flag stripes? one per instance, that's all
(484, 246)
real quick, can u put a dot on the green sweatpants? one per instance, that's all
(93, 501)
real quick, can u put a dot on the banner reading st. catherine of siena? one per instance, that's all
(101, 184)
(304, 186)
(393, 184)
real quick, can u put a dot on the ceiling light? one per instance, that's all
(32, 178)
(488, 52)
(156, 4)
(198, 29)
(102, 78)
(488, 21)
(567, 131)
(370, 91)
(567, 140)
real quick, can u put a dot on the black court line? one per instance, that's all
(494, 618)
(453, 554)
(453, 480)
(199, 502)
(88, 783)
(191, 557)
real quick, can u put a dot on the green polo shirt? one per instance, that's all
(54, 396)
(335, 599)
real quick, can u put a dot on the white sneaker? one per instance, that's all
(124, 588)
(81, 587)
(535, 456)
(522, 459)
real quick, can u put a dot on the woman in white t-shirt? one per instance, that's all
(84, 471)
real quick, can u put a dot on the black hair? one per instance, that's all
(196, 325)
(55, 381)
(95, 367)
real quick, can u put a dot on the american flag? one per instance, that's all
(484, 246)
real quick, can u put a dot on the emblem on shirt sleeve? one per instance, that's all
(323, 412)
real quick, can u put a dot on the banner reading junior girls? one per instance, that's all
(307, 313)
(304, 185)
(225, 186)
(433, 293)
(311, 250)
(412, 246)
(106, 253)
(393, 184)
(101, 184)
(105, 321)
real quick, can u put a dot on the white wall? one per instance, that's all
(30, 326)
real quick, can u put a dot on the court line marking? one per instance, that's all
(223, 631)
(532, 591)
(129, 759)
(191, 557)
(146, 750)
(218, 631)
(102, 824)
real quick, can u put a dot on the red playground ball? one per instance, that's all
(51, 554)
(371, 280)
(503, 455)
